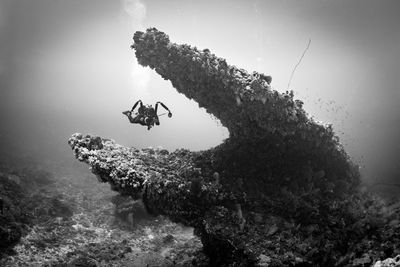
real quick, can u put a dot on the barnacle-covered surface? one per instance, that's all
(287, 229)
(270, 133)
(243, 102)
(280, 191)
(168, 183)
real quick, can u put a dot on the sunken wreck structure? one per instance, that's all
(280, 191)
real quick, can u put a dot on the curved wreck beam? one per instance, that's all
(243, 102)
(274, 124)
(169, 184)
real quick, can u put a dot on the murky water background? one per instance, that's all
(66, 66)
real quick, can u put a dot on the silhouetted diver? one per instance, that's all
(146, 115)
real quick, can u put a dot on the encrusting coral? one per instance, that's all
(280, 190)
(161, 179)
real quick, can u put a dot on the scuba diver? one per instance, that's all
(146, 115)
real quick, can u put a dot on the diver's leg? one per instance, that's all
(138, 119)
(128, 113)
(157, 120)
(135, 119)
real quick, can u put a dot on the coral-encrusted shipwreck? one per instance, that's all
(279, 191)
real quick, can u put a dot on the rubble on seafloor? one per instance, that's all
(37, 228)
(390, 262)
(23, 203)
(280, 191)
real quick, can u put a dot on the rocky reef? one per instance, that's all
(280, 191)
(24, 203)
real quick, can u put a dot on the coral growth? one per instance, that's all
(280, 190)
(23, 203)
(286, 229)
(270, 132)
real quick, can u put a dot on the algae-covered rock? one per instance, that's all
(23, 203)
(280, 191)
(81, 262)
(163, 181)
(271, 138)
(395, 262)
(12, 216)
(181, 186)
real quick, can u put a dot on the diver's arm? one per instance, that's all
(164, 106)
(137, 102)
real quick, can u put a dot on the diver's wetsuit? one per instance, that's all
(147, 115)
(138, 118)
